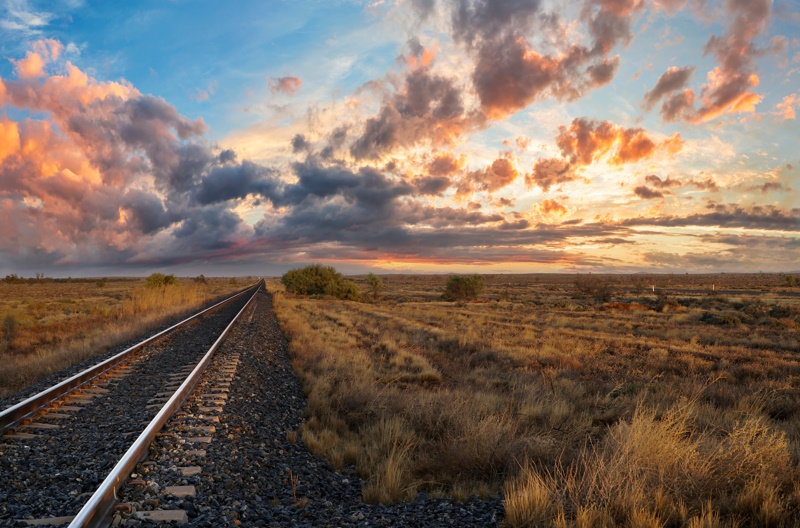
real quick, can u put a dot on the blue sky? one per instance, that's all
(459, 137)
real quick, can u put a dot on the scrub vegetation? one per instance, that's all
(639, 400)
(50, 324)
(319, 280)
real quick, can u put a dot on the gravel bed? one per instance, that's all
(56, 472)
(247, 467)
(48, 381)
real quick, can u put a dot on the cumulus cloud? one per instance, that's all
(428, 108)
(670, 81)
(548, 172)
(586, 141)
(509, 73)
(42, 52)
(552, 207)
(445, 164)
(729, 87)
(499, 174)
(113, 169)
(285, 85)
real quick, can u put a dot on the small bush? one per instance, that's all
(724, 319)
(100, 283)
(599, 289)
(461, 287)
(159, 280)
(316, 279)
(9, 333)
(375, 284)
(200, 279)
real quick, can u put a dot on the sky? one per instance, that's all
(431, 136)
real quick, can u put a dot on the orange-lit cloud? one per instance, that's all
(42, 52)
(9, 138)
(552, 208)
(499, 174)
(420, 57)
(729, 87)
(445, 164)
(586, 141)
(786, 108)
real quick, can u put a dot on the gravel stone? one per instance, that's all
(246, 468)
(55, 473)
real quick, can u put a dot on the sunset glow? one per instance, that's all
(408, 135)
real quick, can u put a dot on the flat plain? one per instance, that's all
(588, 400)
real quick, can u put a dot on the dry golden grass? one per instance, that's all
(57, 324)
(637, 410)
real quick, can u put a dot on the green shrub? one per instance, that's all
(375, 284)
(460, 287)
(316, 279)
(159, 280)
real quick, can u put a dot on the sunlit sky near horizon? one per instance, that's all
(399, 135)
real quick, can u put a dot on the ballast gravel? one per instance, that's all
(248, 466)
(56, 472)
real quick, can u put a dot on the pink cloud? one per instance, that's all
(287, 85)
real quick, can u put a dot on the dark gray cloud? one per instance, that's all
(646, 193)
(670, 81)
(234, 182)
(300, 143)
(432, 185)
(486, 19)
(428, 108)
(145, 212)
(756, 217)
(768, 187)
(658, 183)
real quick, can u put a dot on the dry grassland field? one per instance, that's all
(47, 325)
(585, 400)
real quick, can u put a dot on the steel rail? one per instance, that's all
(16, 413)
(97, 510)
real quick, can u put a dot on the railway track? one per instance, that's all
(66, 452)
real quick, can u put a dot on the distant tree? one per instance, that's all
(316, 279)
(200, 279)
(375, 284)
(790, 280)
(100, 283)
(462, 287)
(159, 280)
